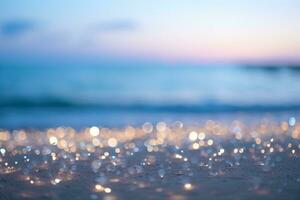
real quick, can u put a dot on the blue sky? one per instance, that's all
(170, 31)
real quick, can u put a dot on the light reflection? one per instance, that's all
(156, 154)
(112, 142)
(201, 136)
(210, 142)
(94, 131)
(188, 186)
(53, 140)
(193, 136)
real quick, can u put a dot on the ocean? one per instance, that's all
(38, 96)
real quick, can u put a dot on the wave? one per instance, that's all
(205, 107)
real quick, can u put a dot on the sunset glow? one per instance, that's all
(194, 31)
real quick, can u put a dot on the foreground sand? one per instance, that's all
(162, 161)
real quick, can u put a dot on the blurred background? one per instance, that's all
(76, 63)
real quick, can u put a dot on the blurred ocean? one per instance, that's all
(43, 96)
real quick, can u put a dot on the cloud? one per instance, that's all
(117, 25)
(16, 27)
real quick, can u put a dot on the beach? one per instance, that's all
(108, 133)
(151, 100)
(153, 161)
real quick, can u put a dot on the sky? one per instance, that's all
(193, 31)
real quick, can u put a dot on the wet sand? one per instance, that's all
(166, 161)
